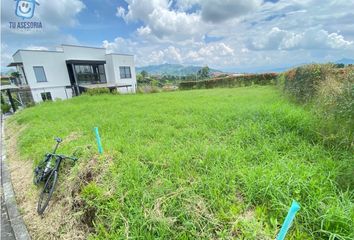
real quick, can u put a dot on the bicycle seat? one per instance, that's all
(58, 140)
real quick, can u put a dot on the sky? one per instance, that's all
(224, 34)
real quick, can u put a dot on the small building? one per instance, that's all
(71, 70)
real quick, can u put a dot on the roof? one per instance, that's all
(70, 45)
(121, 54)
(33, 50)
(14, 64)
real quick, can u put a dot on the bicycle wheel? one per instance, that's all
(37, 175)
(47, 192)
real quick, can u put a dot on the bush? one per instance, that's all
(232, 81)
(329, 90)
(5, 108)
(148, 89)
(97, 91)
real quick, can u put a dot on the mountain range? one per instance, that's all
(172, 69)
(183, 70)
(345, 61)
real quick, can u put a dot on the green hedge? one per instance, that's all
(97, 91)
(329, 92)
(231, 81)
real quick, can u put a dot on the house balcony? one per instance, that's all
(19, 79)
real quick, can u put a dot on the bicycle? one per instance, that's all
(47, 172)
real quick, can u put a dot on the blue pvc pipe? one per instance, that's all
(98, 139)
(295, 207)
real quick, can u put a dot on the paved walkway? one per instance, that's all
(6, 230)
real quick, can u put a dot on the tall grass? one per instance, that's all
(202, 164)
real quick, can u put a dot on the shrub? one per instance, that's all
(232, 81)
(5, 108)
(97, 91)
(329, 90)
(302, 82)
(148, 89)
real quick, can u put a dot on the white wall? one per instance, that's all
(109, 69)
(57, 93)
(53, 64)
(120, 60)
(83, 53)
(55, 69)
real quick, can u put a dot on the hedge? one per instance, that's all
(231, 81)
(329, 91)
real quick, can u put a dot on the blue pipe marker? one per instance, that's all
(295, 207)
(99, 144)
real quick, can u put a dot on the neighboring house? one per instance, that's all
(71, 70)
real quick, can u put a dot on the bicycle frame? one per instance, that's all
(58, 159)
(48, 164)
(49, 156)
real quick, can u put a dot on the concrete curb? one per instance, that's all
(17, 223)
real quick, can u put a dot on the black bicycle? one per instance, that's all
(47, 172)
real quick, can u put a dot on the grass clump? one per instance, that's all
(202, 164)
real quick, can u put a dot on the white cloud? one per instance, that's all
(161, 21)
(309, 39)
(141, 9)
(6, 56)
(217, 11)
(176, 25)
(184, 5)
(167, 22)
(59, 12)
(197, 53)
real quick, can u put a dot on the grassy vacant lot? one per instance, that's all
(201, 164)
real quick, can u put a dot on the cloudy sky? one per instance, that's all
(223, 34)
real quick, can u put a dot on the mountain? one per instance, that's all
(172, 69)
(345, 61)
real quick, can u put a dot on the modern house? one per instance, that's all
(71, 70)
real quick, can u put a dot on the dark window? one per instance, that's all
(90, 74)
(46, 96)
(125, 72)
(40, 74)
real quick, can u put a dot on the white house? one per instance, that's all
(71, 70)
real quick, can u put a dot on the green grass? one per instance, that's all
(202, 164)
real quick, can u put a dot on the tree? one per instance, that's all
(15, 78)
(15, 74)
(139, 78)
(204, 72)
(144, 74)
